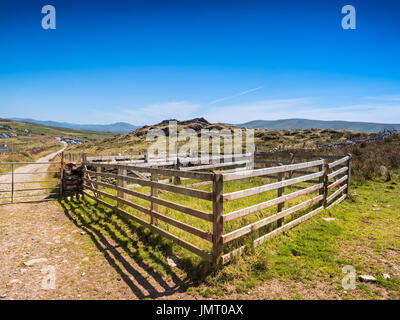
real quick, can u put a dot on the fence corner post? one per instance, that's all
(84, 158)
(348, 174)
(153, 194)
(326, 182)
(218, 227)
(321, 180)
(121, 184)
(281, 191)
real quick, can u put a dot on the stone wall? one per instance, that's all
(72, 179)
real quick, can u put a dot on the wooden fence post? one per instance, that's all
(321, 180)
(348, 174)
(281, 191)
(12, 183)
(291, 162)
(62, 174)
(98, 177)
(84, 158)
(326, 182)
(121, 183)
(153, 193)
(218, 227)
(177, 165)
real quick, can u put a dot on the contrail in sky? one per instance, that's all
(235, 95)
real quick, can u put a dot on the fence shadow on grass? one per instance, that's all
(110, 235)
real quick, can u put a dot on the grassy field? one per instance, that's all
(310, 257)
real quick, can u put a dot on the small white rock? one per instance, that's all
(329, 219)
(13, 281)
(85, 259)
(367, 278)
(33, 261)
(172, 261)
(83, 232)
(385, 276)
(83, 274)
(3, 295)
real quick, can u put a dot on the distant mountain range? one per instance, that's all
(288, 124)
(118, 127)
(284, 124)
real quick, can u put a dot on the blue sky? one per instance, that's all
(229, 61)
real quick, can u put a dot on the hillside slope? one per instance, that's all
(135, 142)
(27, 142)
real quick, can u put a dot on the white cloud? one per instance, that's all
(385, 97)
(260, 110)
(306, 108)
(235, 95)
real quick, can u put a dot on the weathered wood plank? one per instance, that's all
(263, 222)
(176, 189)
(272, 170)
(200, 252)
(268, 187)
(337, 172)
(227, 257)
(337, 201)
(260, 206)
(336, 193)
(198, 232)
(175, 206)
(337, 182)
(338, 162)
(166, 172)
(215, 165)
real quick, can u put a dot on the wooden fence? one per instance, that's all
(324, 182)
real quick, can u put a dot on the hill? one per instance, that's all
(118, 127)
(135, 141)
(26, 142)
(303, 124)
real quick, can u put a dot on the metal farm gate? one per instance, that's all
(24, 182)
